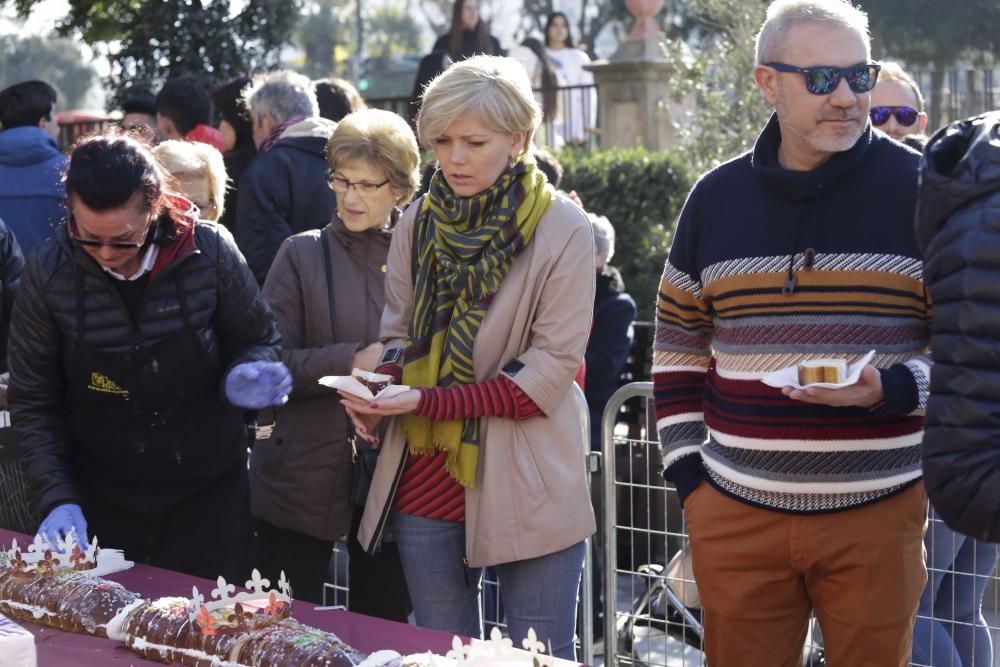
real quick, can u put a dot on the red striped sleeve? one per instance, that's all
(393, 369)
(496, 397)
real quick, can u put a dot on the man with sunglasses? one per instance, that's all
(800, 499)
(897, 105)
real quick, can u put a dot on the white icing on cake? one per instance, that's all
(141, 644)
(34, 610)
(114, 626)
(382, 658)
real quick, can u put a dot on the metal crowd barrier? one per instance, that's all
(645, 622)
(643, 532)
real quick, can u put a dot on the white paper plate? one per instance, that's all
(351, 386)
(789, 377)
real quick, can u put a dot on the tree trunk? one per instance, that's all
(937, 95)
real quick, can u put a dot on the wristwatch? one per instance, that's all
(392, 355)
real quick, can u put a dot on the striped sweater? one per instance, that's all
(771, 267)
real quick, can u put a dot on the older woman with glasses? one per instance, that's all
(326, 288)
(129, 322)
(489, 298)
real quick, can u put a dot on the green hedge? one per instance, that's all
(641, 193)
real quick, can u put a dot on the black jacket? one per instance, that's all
(958, 226)
(607, 349)
(283, 192)
(11, 264)
(225, 306)
(236, 161)
(470, 47)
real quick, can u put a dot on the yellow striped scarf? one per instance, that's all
(465, 245)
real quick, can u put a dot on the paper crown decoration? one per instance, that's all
(230, 612)
(499, 650)
(40, 558)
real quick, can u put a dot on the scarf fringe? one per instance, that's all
(421, 439)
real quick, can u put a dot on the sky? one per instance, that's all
(42, 20)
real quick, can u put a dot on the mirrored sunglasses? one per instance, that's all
(904, 115)
(824, 80)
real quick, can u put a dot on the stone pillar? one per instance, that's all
(632, 90)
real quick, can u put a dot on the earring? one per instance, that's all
(394, 215)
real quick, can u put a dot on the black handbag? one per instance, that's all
(363, 470)
(363, 456)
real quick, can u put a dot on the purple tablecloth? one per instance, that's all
(367, 634)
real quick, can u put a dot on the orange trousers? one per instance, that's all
(759, 574)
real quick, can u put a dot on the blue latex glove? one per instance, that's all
(60, 521)
(258, 384)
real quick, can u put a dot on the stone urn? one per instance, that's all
(644, 12)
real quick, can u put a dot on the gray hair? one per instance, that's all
(281, 95)
(781, 14)
(604, 236)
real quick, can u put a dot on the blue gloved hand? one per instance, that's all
(60, 521)
(258, 384)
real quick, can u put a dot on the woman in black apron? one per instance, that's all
(138, 342)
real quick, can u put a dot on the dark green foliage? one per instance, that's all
(716, 79)
(161, 39)
(931, 32)
(164, 39)
(318, 34)
(641, 193)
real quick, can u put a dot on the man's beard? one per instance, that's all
(824, 141)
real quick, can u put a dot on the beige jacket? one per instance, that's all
(531, 495)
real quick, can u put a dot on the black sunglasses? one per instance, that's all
(823, 80)
(97, 243)
(904, 115)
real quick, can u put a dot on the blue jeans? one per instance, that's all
(950, 630)
(539, 593)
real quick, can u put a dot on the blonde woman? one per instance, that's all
(200, 174)
(300, 476)
(487, 319)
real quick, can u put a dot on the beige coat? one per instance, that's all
(531, 495)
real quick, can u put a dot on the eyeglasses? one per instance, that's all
(117, 245)
(824, 80)
(904, 115)
(342, 185)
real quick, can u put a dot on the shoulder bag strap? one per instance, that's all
(328, 270)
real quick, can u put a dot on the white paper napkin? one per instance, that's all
(789, 377)
(352, 386)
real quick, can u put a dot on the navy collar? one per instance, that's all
(803, 184)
